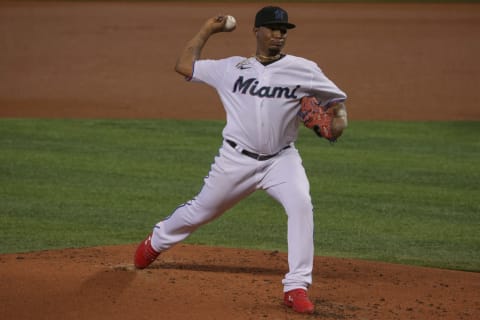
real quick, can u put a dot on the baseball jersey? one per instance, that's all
(261, 102)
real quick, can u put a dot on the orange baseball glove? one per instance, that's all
(326, 121)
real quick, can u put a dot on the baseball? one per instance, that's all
(230, 24)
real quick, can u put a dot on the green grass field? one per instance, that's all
(404, 192)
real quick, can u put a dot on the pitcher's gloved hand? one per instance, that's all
(326, 121)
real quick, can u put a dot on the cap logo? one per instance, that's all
(279, 14)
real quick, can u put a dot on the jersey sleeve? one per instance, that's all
(324, 89)
(210, 72)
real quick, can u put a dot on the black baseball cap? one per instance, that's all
(272, 15)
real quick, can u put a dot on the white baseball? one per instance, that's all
(230, 23)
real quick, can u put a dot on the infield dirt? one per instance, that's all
(115, 60)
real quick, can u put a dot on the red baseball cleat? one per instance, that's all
(297, 299)
(145, 254)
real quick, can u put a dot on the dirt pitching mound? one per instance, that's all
(201, 282)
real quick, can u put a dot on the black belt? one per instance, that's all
(259, 157)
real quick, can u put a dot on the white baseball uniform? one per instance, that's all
(258, 152)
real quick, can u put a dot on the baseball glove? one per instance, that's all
(326, 121)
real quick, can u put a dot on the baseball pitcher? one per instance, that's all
(266, 97)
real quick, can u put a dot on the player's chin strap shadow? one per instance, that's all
(216, 268)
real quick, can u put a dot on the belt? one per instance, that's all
(256, 156)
